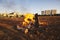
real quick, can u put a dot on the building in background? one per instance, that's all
(42, 12)
(49, 12)
(53, 12)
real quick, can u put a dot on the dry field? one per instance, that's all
(7, 32)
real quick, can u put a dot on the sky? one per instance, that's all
(32, 6)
